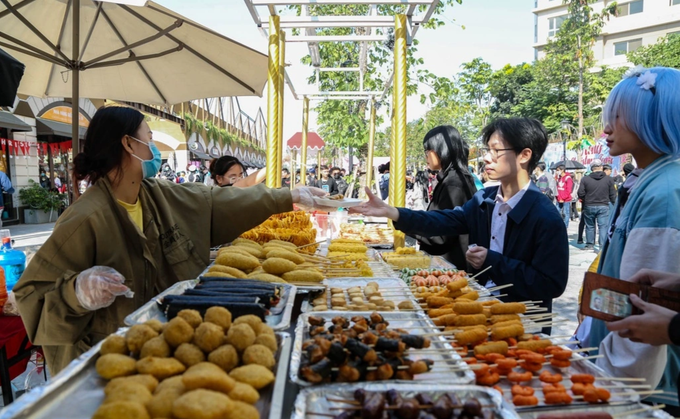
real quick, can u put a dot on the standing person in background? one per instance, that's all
(565, 185)
(326, 182)
(545, 182)
(596, 192)
(384, 183)
(194, 175)
(607, 169)
(478, 183)
(229, 171)
(285, 178)
(339, 178)
(574, 215)
(7, 188)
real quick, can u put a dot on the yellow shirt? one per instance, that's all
(135, 212)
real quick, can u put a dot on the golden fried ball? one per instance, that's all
(130, 392)
(160, 405)
(208, 376)
(155, 347)
(110, 366)
(263, 329)
(219, 316)
(177, 332)
(245, 393)
(252, 320)
(173, 383)
(161, 368)
(226, 357)
(241, 410)
(240, 336)
(137, 336)
(189, 354)
(253, 374)
(114, 344)
(148, 381)
(267, 340)
(259, 354)
(208, 336)
(202, 404)
(117, 410)
(155, 324)
(193, 317)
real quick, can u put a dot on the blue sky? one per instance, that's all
(499, 31)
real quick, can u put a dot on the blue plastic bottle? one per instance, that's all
(12, 261)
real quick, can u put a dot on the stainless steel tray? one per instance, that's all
(397, 292)
(78, 391)
(151, 310)
(315, 399)
(448, 366)
(609, 408)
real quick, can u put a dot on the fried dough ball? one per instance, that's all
(259, 354)
(225, 357)
(177, 332)
(160, 405)
(238, 261)
(155, 347)
(117, 410)
(208, 336)
(284, 254)
(155, 324)
(267, 340)
(265, 277)
(148, 381)
(258, 252)
(110, 366)
(242, 240)
(253, 374)
(189, 354)
(241, 410)
(232, 272)
(137, 336)
(193, 317)
(130, 392)
(173, 383)
(219, 316)
(114, 344)
(278, 266)
(202, 404)
(245, 393)
(303, 276)
(263, 329)
(240, 336)
(208, 376)
(251, 320)
(161, 368)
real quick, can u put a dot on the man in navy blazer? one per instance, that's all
(516, 229)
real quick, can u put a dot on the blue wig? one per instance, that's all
(648, 104)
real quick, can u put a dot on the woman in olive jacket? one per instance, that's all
(128, 237)
(447, 153)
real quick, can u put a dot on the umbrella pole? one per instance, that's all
(303, 146)
(273, 104)
(75, 79)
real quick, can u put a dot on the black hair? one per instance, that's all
(324, 167)
(384, 168)
(285, 170)
(541, 166)
(334, 168)
(103, 150)
(449, 146)
(628, 168)
(520, 133)
(606, 167)
(560, 167)
(218, 167)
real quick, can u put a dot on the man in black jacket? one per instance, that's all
(326, 183)
(596, 192)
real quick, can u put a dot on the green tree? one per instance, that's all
(506, 87)
(665, 53)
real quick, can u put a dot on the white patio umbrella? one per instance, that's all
(146, 54)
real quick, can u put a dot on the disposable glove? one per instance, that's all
(99, 286)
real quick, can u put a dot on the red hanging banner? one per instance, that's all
(3, 141)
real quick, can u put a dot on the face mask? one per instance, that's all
(149, 167)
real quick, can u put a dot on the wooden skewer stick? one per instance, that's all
(311, 244)
(622, 379)
(327, 415)
(641, 410)
(500, 287)
(479, 273)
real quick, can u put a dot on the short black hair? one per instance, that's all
(334, 168)
(628, 168)
(284, 170)
(560, 167)
(541, 165)
(606, 167)
(324, 167)
(520, 133)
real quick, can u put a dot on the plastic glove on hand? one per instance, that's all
(307, 202)
(99, 286)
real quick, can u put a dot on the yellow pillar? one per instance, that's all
(273, 104)
(282, 88)
(390, 191)
(371, 144)
(398, 165)
(303, 146)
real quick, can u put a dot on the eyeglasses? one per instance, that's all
(233, 179)
(494, 151)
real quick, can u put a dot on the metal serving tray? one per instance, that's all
(448, 366)
(395, 290)
(315, 399)
(278, 320)
(609, 408)
(78, 391)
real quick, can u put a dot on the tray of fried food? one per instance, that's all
(536, 373)
(402, 401)
(333, 346)
(337, 201)
(359, 294)
(294, 227)
(373, 235)
(191, 367)
(406, 257)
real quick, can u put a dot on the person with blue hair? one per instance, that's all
(642, 117)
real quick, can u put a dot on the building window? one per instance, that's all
(623, 48)
(675, 2)
(631, 8)
(554, 24)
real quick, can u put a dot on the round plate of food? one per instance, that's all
(337, 201)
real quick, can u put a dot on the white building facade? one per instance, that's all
(638, 23)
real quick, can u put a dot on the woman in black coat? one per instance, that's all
(448, 153)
